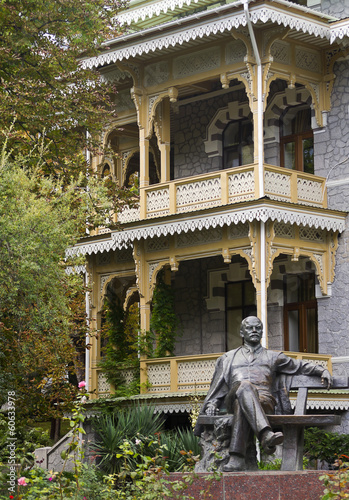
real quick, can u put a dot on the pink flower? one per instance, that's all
(22, 482)
(82, 384)
(138, 441)
(50, 478)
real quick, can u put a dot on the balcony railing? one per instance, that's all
(225, 187)
(194, 373)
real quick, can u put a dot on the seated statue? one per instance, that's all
(244, 382)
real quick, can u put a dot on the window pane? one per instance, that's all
(234, 295)
(234, 319)
(232, 134)
(308, 155)
(293, 331)
(231, 158)
(289, 155)
(250, 293)
(311, 330)
(292, 289)
(247, 154)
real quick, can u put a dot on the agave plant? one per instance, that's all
(131, 424)
(177, 442)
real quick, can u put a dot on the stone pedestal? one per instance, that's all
(261, 485)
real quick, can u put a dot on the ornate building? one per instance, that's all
(233, 121)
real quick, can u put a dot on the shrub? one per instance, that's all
(325, 446)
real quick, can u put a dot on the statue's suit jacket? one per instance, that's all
(282, 367)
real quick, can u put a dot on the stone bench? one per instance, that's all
(292, 425)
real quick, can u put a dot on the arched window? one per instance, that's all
(106, 171)
(238, 143)
(296, 141)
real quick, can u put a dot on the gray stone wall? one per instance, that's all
(202, 331)
(331, 147)
(189, 129)
(336, 8)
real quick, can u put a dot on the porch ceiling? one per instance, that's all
(259, 210)
(306, 26)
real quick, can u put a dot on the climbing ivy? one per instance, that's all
(164, 323)
(119, 344)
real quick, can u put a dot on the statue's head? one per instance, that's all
(251, 330)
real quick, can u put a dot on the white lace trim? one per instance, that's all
(121, 239)
(218, 25)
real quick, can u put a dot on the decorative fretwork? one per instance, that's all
(196, 372)
(277, 185)
(103, 279)
(235, 51)
(311, 234)
(281, 52)
(319, 259)
(309, 60)
(103, 385)
(310, 191)
(124, 255)
(198, 237)
(156, 73)
(104, 230)
(241, 186)
(103, 259)
(152, 100)
(284, 230)
(237, 231)
(128, 376)
(199, 194)
(128, 215)
(159, 377)
(158, 202)
(319, 362)
(198, 62)
(157, 243)
(123, 101)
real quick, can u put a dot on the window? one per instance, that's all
(240, 299)
(300, 313)
(238, 144)
(296, 142)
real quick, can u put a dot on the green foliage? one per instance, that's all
(325, 446)
(143, 475)
(43, 84)
(43, 484)
(120, 344)
(135, 423)
(28, 439)
(337, 482)
(164, 322)
(39, 219)
(182, 449)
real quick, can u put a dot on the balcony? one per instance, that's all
(227, 187)
(194, 373)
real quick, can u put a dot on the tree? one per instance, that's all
(40, 328)
(43, 87)
(51, 110)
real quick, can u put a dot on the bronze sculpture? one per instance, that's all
(244, 382)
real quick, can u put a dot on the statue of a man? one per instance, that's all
(244, 381)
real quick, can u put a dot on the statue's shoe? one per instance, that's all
(235, 464)
(271, 439)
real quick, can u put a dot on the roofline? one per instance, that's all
(163, 6)
(206, 23)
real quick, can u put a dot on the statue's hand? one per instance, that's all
(327, 379)
(211, 409)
